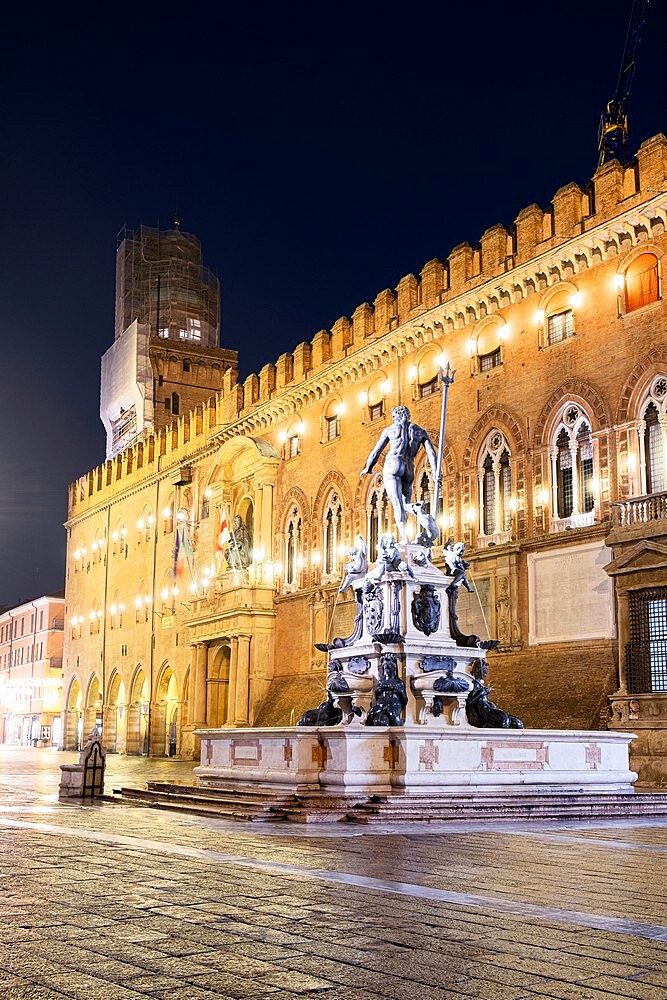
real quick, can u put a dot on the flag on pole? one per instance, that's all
(222, 545)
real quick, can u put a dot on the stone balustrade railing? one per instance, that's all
(640, 510)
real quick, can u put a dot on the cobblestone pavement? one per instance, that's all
(115, 902)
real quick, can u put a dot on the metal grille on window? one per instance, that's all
(564, 474)
(489, 361)
(489, 497)
(586, 465)
(332, 428)
(375, 410)
(294, 446)
(506, 491)
(329, 542)
(646, 653)
(655, 453)
(428, 388)
(560, 326)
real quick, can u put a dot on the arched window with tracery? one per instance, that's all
(653, 437)
(423, 492)
(572, 469)
(377, 516)
(332, 535)
(293, 549)
(494, 475)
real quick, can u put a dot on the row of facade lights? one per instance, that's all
(441, 361)
(542, 497)
(340, 408)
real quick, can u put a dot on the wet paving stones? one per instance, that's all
(118, 902)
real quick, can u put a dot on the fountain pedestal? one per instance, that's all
(407, 655)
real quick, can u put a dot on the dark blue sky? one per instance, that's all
(316, 170)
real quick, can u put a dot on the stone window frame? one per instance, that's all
(332, 536)
(494, 448)
(487, 346)
(377, 514)
(656, 395)
(562, 299)
(293, 561)
(571, 419)
(621, 280)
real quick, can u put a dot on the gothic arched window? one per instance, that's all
(377, 516)
(653, 437)
(572, 473)
(332, 534)
(293, 548)
(495, 485)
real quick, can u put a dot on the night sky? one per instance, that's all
(316, 168)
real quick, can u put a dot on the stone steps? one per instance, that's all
(394, 809)
(198, 801)
(245, 804)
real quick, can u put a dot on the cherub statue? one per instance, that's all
(357, 567)
(389, 559)
(456, 565)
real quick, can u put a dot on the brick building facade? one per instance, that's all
(555, 461)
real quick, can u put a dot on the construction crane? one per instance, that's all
(613, 132)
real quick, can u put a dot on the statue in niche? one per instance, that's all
(456, 565)
(389, 559)
(325, 714)
(357, 566)
(373, 606)
(390, 695)
(480, 711)
(243, 541)
(404, 439)
(426, 609)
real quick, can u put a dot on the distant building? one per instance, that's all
(165, 358)
(31, 662)
(555, 475)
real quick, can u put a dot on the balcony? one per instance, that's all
(497, 538)
(640, 510)
(639, 517)
(573, 521)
